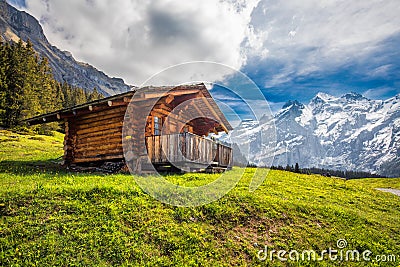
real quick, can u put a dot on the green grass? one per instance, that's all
(50, 217)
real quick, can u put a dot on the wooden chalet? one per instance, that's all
(151, 128)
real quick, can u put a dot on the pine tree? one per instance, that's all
(3, 79)
(28, 88)
(60, 97)
(15, 79)
(94, 95)
(297, 168)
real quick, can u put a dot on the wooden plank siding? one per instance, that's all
(187, 147)
(97, 136)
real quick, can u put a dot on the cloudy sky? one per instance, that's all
(292, 49)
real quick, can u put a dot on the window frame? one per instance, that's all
(157, 125)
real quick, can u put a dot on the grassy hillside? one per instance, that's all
(51, 217)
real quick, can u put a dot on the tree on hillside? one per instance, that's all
(15, 60)
(94, 95)
(71, 96)
(28, 88)
(288, 168)
(296, 168)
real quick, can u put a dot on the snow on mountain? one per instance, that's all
(346, 133)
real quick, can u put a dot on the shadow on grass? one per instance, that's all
(51, 166)
(32, 167)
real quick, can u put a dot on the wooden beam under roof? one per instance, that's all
(171, 92)
(205, 99)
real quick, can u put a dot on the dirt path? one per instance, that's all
(393, 191)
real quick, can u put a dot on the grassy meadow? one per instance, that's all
(52, 217)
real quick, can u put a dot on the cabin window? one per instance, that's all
(157, 126)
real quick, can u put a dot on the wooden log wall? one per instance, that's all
(95, 136)
(69, 141)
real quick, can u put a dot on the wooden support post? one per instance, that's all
(69, 143)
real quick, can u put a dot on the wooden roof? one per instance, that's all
(151, 92)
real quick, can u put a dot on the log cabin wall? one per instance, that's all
(69, 141)
(95, 136)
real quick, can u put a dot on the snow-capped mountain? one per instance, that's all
(345, 133)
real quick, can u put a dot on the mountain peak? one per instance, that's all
(291, 109)
(294, 103)
(324, 96)
(353, 96)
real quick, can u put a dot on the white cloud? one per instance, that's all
(315, 35)
(379, 93)
(135, 39)
(381, 71)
